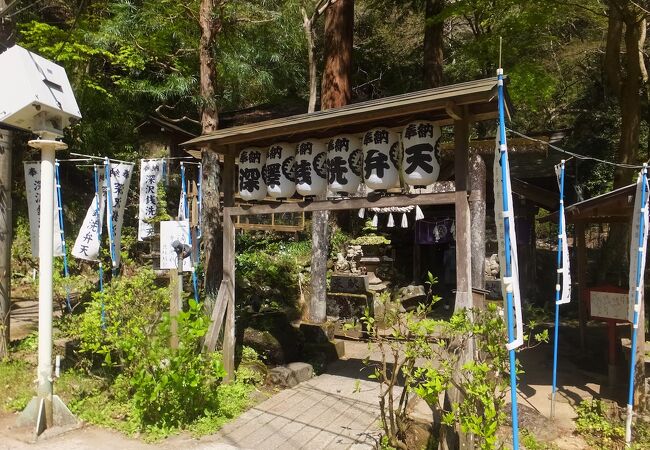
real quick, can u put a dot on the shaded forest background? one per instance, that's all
(130, 59)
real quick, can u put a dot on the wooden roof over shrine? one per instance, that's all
(476, 99)
(613, 206)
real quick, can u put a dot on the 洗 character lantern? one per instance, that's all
(381, 156)
(251, 174)
(311, 168)
(420, 166)
(344, 161)
(280, 171)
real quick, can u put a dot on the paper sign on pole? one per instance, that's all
(33, 191)
(88, 242)
(120, 179)
(566, 270)
(513, 282)
(634, 248)
(170, 231)
(151, 171)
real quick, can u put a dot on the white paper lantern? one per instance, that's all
(280, 170)
(381, 156)
(251, 174)
(421, 166)
(311, 168)
(344, 163)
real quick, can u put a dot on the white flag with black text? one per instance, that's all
(33, 192)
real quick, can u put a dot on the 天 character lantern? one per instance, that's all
(381, 156)
(251, 174)
(420, 166)
(344, 161)
(280, 171)
(311, 168)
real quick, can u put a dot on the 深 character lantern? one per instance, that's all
(420, 166)
(381, 156)
(280, 171)
(251, 174)
(311, 168)
(344, 161)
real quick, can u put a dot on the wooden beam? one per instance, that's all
(229, 176)
(229, 278)
(216, 321)
(583, 296)
(441, 198)
(541, 196)
(453, 110)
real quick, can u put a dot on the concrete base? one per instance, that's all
(34, 415)
(291, 374)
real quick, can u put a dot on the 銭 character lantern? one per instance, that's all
(251, 176)
(420, 166)
(345, 161)
(381, 156)
(311, 168)
(280, 171)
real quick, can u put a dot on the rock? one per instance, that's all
(411, 295)
(271, 334)
(318, 332)
(291, 374)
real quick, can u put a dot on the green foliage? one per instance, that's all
(596, 423)
(429, 355)
(370, 239)
(529, 442)
(16, 383)
(270, 269)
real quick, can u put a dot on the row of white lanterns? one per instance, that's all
(342, 164)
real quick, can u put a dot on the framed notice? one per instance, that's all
(170, 231)
(609, 304)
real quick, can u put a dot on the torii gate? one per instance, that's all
(458, 105)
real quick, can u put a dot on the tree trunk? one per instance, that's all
(433, 41)
(211, 234)
(335, 92)
(7, 38)
(336, 89)
(6, 236)
(308, 27)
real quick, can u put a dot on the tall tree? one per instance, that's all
(210, 23)
(433, 43)
(7, 37)
(336, 91)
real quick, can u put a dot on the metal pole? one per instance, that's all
(109, 217)
(560, 233)
(637, 306)
(509, 295)
(59, 208)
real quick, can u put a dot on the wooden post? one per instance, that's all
(229, 280)
(477, 215)
(175, 299)
(582, 280)
(463, 232)
(464, 298)
(229, 262)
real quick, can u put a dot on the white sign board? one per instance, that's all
(170, 231)
(610, 305)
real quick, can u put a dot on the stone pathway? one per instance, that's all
(337, 410)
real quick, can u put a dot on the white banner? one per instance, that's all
(33, 192)
(508, 284)
(181, 207)
(170, 231)
(151, 171)
(88, 240)
(120, 179)
(634, 248)
(565, 269)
